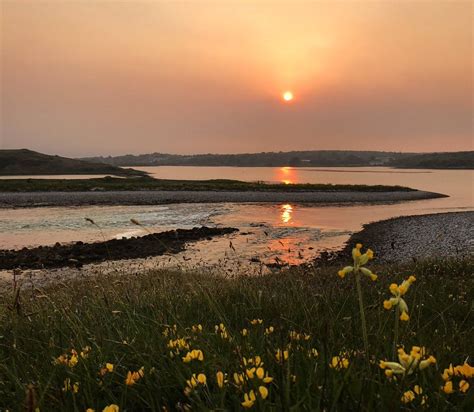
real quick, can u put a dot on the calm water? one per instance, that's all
(290, 232)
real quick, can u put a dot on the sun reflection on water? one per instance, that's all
(286, 175)
(286, 212)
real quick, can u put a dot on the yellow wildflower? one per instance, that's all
(339, 362)
(397, 301)
(427, 362)
(250, 373)
(404, 316)
(269, 330)
(249, 399)
(238, 378)
(281, 355)
(195, 354)
(74, 388)
(111, 408)
(463, 386)
(313, 353)
(221, 330)
(202, 379)
(256, 322)
(220, 379)
(244, 332)
(196, 328)
(448, 387)
(418, 389)
(359, 261)
(109, 367)
(90, 410)
(263, 392)
(408, 397)
(465, 370)
(133, 377)
(408, 363)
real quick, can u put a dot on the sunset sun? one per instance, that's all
(287, 96)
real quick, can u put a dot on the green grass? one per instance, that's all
(148, 183)
(123, 318)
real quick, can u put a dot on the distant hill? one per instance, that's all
(28, 162)
(455, 160)
(313, 158)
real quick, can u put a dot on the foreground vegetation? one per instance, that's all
(168, 340)
(148, 183)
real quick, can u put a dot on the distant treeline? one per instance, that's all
(315, 158)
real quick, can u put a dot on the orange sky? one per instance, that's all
(99, 77)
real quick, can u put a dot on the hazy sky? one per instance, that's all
(98, 77)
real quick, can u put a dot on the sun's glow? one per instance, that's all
(286, 211)
(287, 96)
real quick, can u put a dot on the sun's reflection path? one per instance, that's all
(286, 213)
(286, 175)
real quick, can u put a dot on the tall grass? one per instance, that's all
(128, 321)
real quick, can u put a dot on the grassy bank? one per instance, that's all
(124, 323)
(148, 183)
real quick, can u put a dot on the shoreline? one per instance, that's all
(128, 198)
(78, 254)
(411, 238)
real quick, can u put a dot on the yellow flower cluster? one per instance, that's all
(253, 374)
(221, 379)
(170, 330)
(221, 331)
(408, 363)
(195, 354)
(197, 328)
(359, 261)
(195, 381)
(71, 359)
(281, 355)
(298, 336)
(133, 377)
(398, 291)
(339, 362)
(68, 387)
(256, 322)
(410, 395)
(108, 368)
(111, 408)
(462, 373)
(177, 345)
(250, 398)
(269, 330)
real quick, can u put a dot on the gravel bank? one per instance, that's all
(29, 199)
(417, 237)
(79, 253)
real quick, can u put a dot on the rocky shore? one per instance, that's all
(79, 253)
(411, 238)
(30, 199)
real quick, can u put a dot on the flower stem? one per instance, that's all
(362, 314)
(395, 331)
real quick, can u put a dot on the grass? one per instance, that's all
(128, 321)
(148, 183)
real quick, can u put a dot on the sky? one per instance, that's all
(113, 77)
